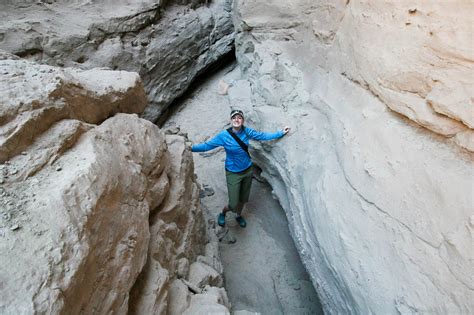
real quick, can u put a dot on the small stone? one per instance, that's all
(224, 236)
(59, 168)
(172, 130)
(24, 153)
(229, 239)
(183, 134)
(206, 192)
(14, 227)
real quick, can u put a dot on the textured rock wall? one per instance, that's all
(168, 43)
(89, 204)
(376, 176)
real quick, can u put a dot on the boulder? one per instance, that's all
(201, 274)
(169, 43)
(179, 297)
(36, 97)
(212, 301)
(99, 210)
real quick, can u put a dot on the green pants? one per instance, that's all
(238, 189)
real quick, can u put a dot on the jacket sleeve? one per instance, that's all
(215, 142)
(258, 135)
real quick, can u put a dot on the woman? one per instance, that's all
(238, 164)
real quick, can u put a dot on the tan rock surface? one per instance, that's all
(169, 43)
(35, 97)
(83, 222)
(89, 203)
(380, 204)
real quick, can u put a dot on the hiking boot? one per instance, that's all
(221, 219)
(241, 221)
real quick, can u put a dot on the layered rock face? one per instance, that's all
(376, 176)
(98, 214)
(168, 43)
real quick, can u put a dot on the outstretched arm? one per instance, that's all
(258, 135)
(208, 145)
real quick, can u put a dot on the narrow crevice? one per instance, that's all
(262, 268)
(223, 62)
(29, 52)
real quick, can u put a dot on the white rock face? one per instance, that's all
(89, 204)
(380, 204)
(169, 43)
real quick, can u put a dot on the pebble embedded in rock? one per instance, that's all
(206, 192)
(172, 130)
(14, 227)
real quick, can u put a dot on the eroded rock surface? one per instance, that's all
(168, 43)
(380, 204)
(90, 204)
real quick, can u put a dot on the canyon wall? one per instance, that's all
(376, 176)
(169, 43)
(99, 208)
(109, 205)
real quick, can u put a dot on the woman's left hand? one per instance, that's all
(286, 130)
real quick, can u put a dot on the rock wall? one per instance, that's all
(89, 204)
(376, 176)
(169, 43)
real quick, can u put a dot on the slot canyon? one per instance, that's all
(364, 207)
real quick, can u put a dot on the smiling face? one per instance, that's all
(237, 121)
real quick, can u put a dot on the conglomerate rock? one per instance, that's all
(90, 203)
(169, 43)
(379, 204)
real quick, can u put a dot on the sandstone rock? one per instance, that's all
(192, 287)
(201, 274)
(168, 43)
(212, 256)
(35, 97)
(182, 268)
(77, 261)
(213, 301)
(371, 196)
(92, 217)
(176, 229)
(179, 297)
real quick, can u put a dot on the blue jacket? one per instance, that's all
(237, 159)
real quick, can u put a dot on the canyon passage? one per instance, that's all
(105, 209)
